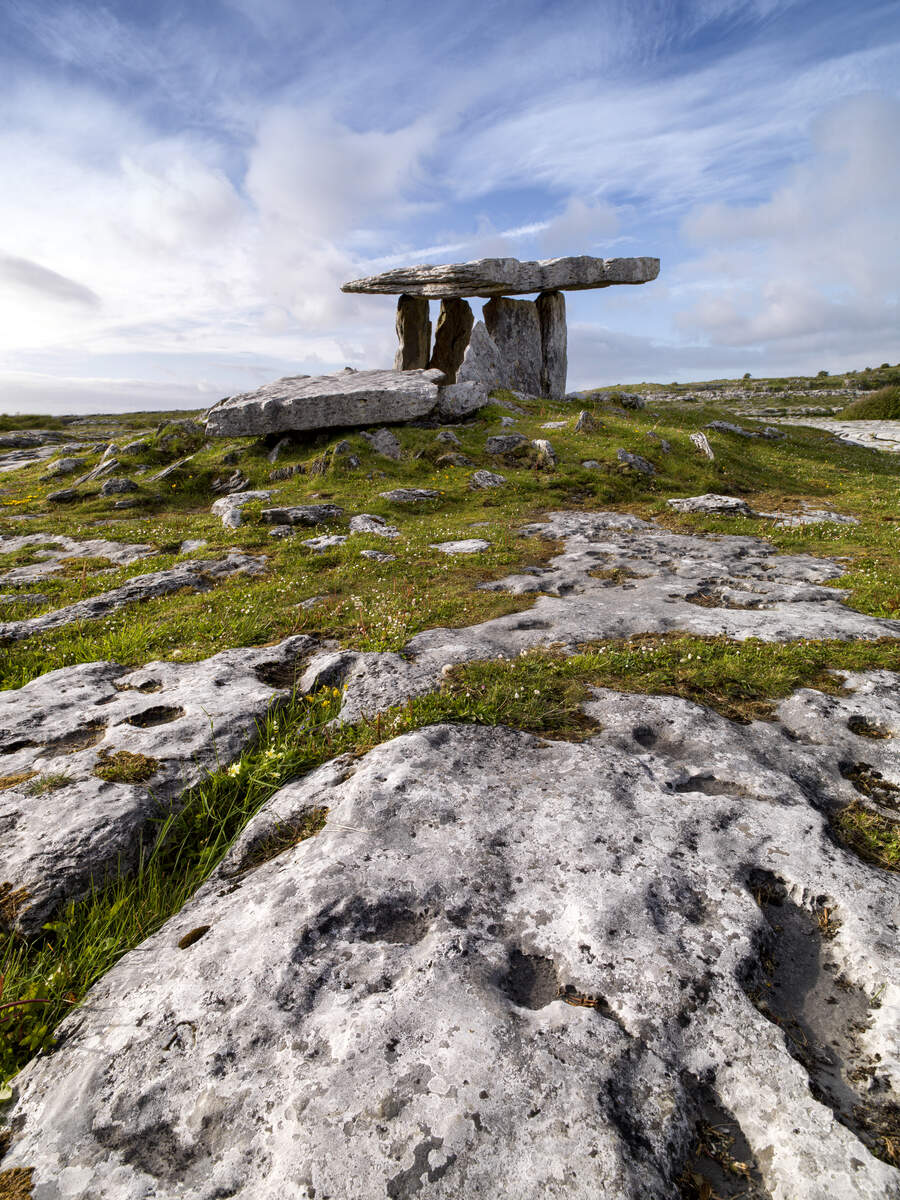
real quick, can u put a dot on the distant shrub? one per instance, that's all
(882, 405)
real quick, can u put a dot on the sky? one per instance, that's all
(187, 183)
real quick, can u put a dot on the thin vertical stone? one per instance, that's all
(413, 333)
(551, 308)
(454, 328)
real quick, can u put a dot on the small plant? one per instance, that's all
(873, 837)
(125, 767)
(51, 781)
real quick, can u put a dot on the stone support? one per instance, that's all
(454, 328)
(515, 328)
(413, 333)
(551, 310)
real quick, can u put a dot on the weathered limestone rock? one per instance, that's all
(302, 514)
(546, 455)
(62, 466)
(587, 422)
(508, 277)
(501, 969)
(326, 541)
(516, 330)
(326, 401)
(462, 546)
(409, 495)
(551, 310)
(636, 462)
(384, 442)
(701, 441)
(712, 502)
(504, 443)
(479, 480)
(196, 576)
(454, 328)
(187, 718)
(482, 362)
(371, 523)
(55, 549)
(414, 334)
(229, 508)
(461, 399)
(116, 487)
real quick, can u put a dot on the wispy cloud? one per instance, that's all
(30, 277)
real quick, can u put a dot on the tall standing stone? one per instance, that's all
(414, 334)
(482, 362)
(516, 330)
(454, 327)
(551, 310)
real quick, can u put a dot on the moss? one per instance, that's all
(11, 781)
(125, 767)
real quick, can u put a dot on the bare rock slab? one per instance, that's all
(508, 277)
(320, 402)
(184, 718)
(499, 970)
(54, 550)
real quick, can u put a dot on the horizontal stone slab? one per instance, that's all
(301, 402)
(507, 277)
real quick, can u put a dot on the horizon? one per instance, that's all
(191, 188)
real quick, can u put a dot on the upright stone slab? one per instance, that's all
(551, 310)
(516, 330)
(482, 362)
(414, 334)
(454, 328)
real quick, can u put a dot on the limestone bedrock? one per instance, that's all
(375, 1012)
(488, 277)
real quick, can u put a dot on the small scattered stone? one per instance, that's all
(712, 502)
(117, 487)
(591, 464)
(236, 482)
(409, 495)
(554, 425)
(485, 479)
(62, 466)
(630, 400)
(371, 523)
(385, 443)
(814, 516)
(30, 599)
(464, 546)
(138, 447)
(636, 462)
(310, 602)
(128, 503)
(64, 496)
(664, 446)
(701, 441)
(378, 556)
(454, 460)
(504, 443)
(447, 435)
(302, 514)
(279, 448)
(281, 531)
(587, 422)
(505, 422)
(191, 545)
(326, 542)
(166, 472)
(546, 455)
(228, 509)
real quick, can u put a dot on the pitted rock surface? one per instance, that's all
(194, 574)
(377, 1011)
(189, 717)
(54, 549)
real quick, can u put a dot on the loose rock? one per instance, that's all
(115, 487)
(384, 442)
(371, 523)
(504, 443)
(464, 546)
(409, 495)
(302, 514)
(712, 503)
(636, 462)
(230, 507)
(485, 479)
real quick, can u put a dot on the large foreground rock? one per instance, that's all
(187, 718)
(508, 277)
(380, 1011)
(326, 401)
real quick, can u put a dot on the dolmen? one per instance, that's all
(519, 344)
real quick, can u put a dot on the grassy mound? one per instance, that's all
(883, 405)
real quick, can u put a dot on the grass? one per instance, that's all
(880, 405)
(873, 837)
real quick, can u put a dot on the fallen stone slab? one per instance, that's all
(54, 550)
(502, 968)
(488, 277)
(409, 495)
(463, 546)
(184, 719)
(486, 479)
(170, 470)
(326, 401)
(712, 503)
(229, 508)
(302, 514)
(371, 523)
(195, 575)
(65, 496)
(739, 431)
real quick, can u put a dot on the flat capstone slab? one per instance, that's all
(349, 398)
(507, 277)
(376, 1012)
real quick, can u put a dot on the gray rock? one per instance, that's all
(454, 328)
(506, 422)
(371, 523)
(133, 502)
(813, 516)
(196, 576)
(302, 514)
(54, 550)
(319, 545)
(485, 479)
(729, 427)
(116, 487)
(515, 329)
(504, 443)
(482, 362)
(192, 545)
(170, 470)
(63, 466)
(701, 441)
(384, 442)
(664, 446)
(65, 496)
(282, 531)
(235, 482)
(461, 400)
(632, 400)
(414, 334)
(409, 495)
(592, 465)
(138, 447)
(448, 436)
(454, 459)
(508, 277)
(189, 718)
(554, 424)
(546, 455)
(587, 422)
(29, 599)
(636, 462)
(551, 310)
(464, 546)
(279, 448)
(378, 556)
(412, 970)
(27, 439)
(229, 508)
(711, 502)
(348, 398)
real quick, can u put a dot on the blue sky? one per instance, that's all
(187, 184)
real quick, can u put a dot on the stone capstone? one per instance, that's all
(488, 277)
(505, 967)
(186, 717)
(551, 311)
(516, 331)
(413, 333)
(454, 328)
(326, 401)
